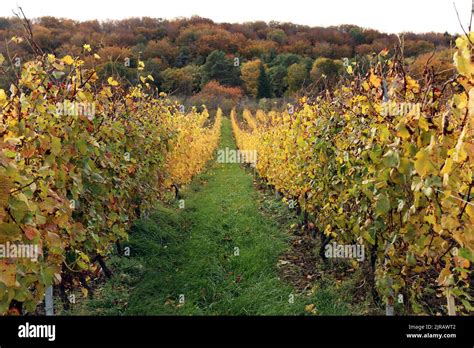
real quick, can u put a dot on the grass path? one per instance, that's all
(227, 263)
(219, 256)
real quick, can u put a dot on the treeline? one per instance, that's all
(257, 59)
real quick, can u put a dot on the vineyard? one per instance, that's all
(383, 160)
(72, 180)
(386, 162)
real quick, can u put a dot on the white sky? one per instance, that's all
(384, 15)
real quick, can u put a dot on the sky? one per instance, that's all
(393, 16)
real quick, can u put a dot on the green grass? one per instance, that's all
(191, 252)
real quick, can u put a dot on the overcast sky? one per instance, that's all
(384, 15)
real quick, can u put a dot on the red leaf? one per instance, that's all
(30, 232)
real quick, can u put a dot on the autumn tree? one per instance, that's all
(417, 47)
(163, 49)
(182, 81)
(327, 69)
(214, 95)
(250, 76)
(258, 48)
(277, 35)
(297, 75)
(441, 62)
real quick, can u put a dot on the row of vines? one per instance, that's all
(79, 161)
(387, 162)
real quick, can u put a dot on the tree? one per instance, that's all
(214, 96)
(279, 81)
(258, 48)
(213, 88)
(113, 53)
(301, 47)
(184, 57)
(220, 68)
(278, 72)
(417, 47)
(357, 36)
(297, 74)
(250, 76)
(441, 62)
(326, 68)
(163, 49)
(277, 35)
(321, 49)
(183, 81)
(286, 59)
(264, 87)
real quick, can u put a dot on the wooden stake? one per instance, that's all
(48, 301)
(451, 305)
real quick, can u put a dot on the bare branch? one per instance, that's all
(459, 20)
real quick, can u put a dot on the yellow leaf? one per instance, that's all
(470, 212)
(423, 164)
(2, 59)
(311, 308)
(85, 292)
(375, 80)
(68, 60)
(402, 131)
(3, 97)
(384, 133)
(460, 154)
(349, 69)
(448, 166)
(17, 40)
(112, 82)
(430, 219)
(423, 123)
(404, 166)
(449, 223)
(56, 145)
(96, 56)
(412, 84)
(87, 47)
(366, 86)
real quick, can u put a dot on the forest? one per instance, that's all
(222, 63)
